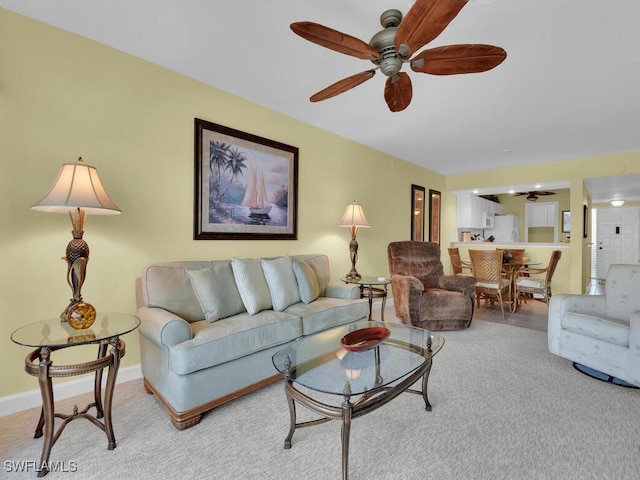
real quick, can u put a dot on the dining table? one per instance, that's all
(512, 270)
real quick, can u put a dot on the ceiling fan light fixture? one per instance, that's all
(617, 203)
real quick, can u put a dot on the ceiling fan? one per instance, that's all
(533, 196)
(396, 44)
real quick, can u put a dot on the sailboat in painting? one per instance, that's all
(256, 195)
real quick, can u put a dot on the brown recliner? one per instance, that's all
(423, 295)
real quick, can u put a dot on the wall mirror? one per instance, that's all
(417, 212)
(434, 216)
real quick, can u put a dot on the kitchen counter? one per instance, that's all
(510, 245)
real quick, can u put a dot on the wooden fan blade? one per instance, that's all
(423, 22)
(343, 85)
(398, 92)
(335, 40)
(457, 59)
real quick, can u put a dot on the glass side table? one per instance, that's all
(371, 287)
(50, 335)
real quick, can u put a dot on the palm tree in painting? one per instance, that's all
(235, 164)
(226, 163)
(218, 154)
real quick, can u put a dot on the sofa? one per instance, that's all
(423, 295)
(601, 332)
(209, 328)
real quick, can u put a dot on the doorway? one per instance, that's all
(617, 237)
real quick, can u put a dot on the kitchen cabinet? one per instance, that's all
(471, 211)
(541, 214)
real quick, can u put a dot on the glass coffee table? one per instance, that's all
(317, 369)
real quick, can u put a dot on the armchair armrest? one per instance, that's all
(634, 348)
(458, 283)
(559, 305)
(407, 291)
(342, 290)
(163, 327)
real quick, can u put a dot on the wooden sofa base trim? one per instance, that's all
(189, 418)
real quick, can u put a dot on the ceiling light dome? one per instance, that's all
(617, 203)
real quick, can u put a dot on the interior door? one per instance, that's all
(617, 237)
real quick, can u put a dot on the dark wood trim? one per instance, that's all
(189, 418)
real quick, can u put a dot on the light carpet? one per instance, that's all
(503, 408)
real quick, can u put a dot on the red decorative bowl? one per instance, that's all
(364, 339)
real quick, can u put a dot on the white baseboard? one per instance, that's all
(25, 400)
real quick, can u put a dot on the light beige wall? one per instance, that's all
(62, 96)
(573, 171)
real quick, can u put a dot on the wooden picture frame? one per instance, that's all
(417, 212)
(585, 221)
(566, 221)
(246, 186)
(434, 216)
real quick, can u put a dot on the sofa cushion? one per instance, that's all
(281, 282)
(307, 282)
(320, 266)
(251, 284)
(216, 290)
(233, 337)
(326, 312)
(610, 330)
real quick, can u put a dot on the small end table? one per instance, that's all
(371, 287)
(50, 335)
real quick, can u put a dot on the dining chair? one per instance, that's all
(487, 270)
(538, 288)
(458, 265)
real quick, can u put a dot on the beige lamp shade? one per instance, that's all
(77, 186)
(354, 217)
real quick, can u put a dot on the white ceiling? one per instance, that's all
(568, 88)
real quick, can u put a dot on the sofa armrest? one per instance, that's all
(342, 290)
(162, 327)
(458, 283)
(559, 305)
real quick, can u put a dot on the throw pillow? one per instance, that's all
(282, 282)
(216, 291)
(307, 282)
(251, 284)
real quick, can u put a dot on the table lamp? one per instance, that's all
(78, 191)
(354, 218)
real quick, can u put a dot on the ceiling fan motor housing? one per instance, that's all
(390, 62)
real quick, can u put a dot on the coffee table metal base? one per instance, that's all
(348, 410)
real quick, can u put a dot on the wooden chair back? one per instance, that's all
(486, 265)
(515, 255)
(457, 265)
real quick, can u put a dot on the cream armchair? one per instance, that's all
(601, 331)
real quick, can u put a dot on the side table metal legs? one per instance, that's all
(38, 363)
(370, 292)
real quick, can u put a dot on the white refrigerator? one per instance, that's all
(506, 229)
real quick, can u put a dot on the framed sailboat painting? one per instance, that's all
(246, 187)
